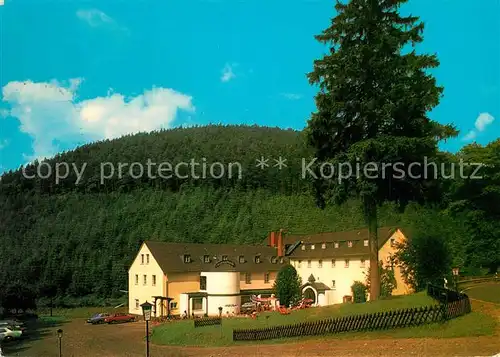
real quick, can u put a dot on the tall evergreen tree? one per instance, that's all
(371, 110)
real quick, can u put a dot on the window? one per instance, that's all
(266, 278)
(241, 259)
(197, 304)
(312, 246)
(187, 258)
(206, 258)
(147, 258)
(347, 263)
(248, 278)
(333, 284)
(308, 263)
(154, 280)
(336, 244)
(142, 258)
(362, 263)
(320, 264)
(136, 279)
(323, 246)
(274, 260)
(173, 305)
(224, 258)
(203, 283)
(299, 263)
(365, 242)
(136, 304)
(349, 244)
(333, 263)
(145, 280)
(393, 242)
(257, 259)
(303, 247)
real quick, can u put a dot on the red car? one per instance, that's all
(119, 317)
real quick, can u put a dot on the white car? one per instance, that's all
(8, 333)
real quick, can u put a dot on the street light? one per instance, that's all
(455, 276)
(146, 312)
(60, 335)
(220, 311)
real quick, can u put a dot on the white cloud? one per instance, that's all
(291, 96)
(482, 122)
(51, 111)
(97, 18)
(228, 73)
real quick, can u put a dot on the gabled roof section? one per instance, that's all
(318, 286)
(171, 257)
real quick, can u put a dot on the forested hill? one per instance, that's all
(82, 237)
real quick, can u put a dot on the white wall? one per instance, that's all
(220, 283)
(344, 277)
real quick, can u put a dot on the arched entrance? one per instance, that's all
(309, 293)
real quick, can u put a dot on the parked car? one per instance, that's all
(119, 317)
(97, 318)
(8, 333)
(248, 307)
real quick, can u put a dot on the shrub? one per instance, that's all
(287, 286)
(359, 292)
(387, 280)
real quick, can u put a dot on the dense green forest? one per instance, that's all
(80, 239)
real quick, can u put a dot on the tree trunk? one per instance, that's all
(372, 220)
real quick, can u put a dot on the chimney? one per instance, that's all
(281, 252)
(272, 239)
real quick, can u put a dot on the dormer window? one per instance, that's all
(282, 260)
(336, 244)
(241, 259)
(187, 258)
(206, 258)
(303, 247)
(323, 246)
(365, 242)
(224, 258)
(349, 244)
(274, 260)
(257, 259)
(312, 246)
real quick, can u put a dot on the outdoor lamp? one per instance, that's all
(146, 310)
(60, 333)
(220, 311)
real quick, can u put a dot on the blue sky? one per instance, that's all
(79, 71)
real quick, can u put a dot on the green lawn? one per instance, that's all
(183, 333)
(486, 292)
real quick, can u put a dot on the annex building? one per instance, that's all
(200, 278)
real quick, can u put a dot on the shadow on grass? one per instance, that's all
(36, 329)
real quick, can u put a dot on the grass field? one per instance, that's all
(183, 333)
(487, 292)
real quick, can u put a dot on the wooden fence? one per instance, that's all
(455, 306)
(207, 321)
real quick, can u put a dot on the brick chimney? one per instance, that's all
(272, 239)
(281, 251)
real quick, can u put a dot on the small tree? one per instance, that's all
(287, 286)
(387, 280)
(359, 291)
(424, 259)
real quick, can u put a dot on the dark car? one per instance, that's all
(97, 319)
(119, 317)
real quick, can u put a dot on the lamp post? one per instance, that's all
(455, 276)
(220, 311)
(146, 312)
(60, 335)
